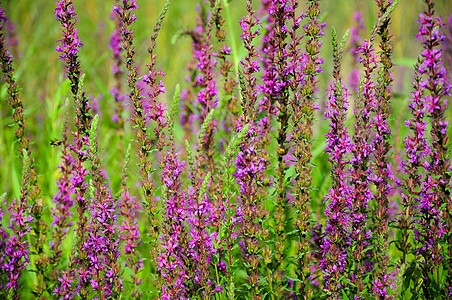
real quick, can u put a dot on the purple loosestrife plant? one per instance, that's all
(251, 164)
(305, 66)
(250, 167)
(416, 148)
(362, 150)
(202, 219)
(126, 12)
(435, 193)
(382, 173)
(102, 242)
(338, 200)
(173, 257)
(173, 238)
(14, 100)
(282, 12)
(69, 46)
(359, 171)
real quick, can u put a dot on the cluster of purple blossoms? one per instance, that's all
(16, 247)
(203, 239)
(250, 168)
(360, 171)
(207, 95)
(103, 247)
(70, 44)
(172, 256)
(339, 202)
(435, 87)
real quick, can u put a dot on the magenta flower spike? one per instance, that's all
(69, 47)
(382, 174)
(362, 150)
(434, 196)
(337, 241)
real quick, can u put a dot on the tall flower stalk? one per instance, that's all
(382, 173)
(125, 10)
(69, 46)
(102, 242)
(251, 165)
(281, 34)
(303, 104)
(359, 171)
(38, 232)
(434, 193)
(337, 230)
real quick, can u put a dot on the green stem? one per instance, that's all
(270, 283)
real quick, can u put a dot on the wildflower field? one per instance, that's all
(225, 149)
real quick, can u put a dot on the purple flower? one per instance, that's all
(337, 240)
(70, 45)
(16, 248)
